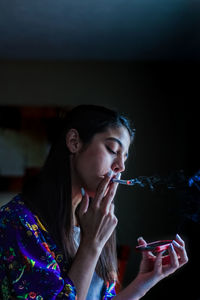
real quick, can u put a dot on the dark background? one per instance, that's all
(162, 100)
(141, 57)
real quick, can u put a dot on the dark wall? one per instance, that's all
(162, 99)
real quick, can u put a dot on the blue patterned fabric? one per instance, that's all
(31, 265)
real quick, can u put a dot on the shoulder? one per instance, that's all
(14, 205)
(14, 213)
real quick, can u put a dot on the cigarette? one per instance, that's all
(126, 182)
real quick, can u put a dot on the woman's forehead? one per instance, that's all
(120, 134)
(119, 131)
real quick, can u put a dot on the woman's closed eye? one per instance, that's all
(110, 150)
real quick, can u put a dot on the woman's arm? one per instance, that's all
(152, 270)
(28, 268)
(83, 268)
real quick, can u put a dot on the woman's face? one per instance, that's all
(107, 151)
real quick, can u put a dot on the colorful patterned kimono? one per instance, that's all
(31, 265)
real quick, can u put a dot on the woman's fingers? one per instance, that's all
(112, 207)
(158, 263)
(84, 203)
(141, 241)
(174, 262)
(105, 193)
(101, 190)
(107, 201)
(145, 254)
(160, 266)
(177, 254)
(179, 246)
(179, 240)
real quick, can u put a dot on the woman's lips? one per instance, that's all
(116, 176)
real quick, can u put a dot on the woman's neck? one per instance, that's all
(76, 199)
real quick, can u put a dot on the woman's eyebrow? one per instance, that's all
(115, 140)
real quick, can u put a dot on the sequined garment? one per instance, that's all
(31, 265)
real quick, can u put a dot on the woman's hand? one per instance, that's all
(97, 219)
(97, 222)
(154, 268)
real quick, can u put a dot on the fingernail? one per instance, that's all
(178, 236)
(118, 176)
(82, 192)
(175, 243)
(110, 173)
(139, 238)
(172, 247)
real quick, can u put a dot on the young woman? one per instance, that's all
(57, 238)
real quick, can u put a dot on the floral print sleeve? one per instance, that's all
(30, 265)
(109, 292)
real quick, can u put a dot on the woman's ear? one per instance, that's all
(73, 141)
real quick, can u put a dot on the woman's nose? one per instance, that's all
(118, 165)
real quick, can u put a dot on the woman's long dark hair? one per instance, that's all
(49, 193)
